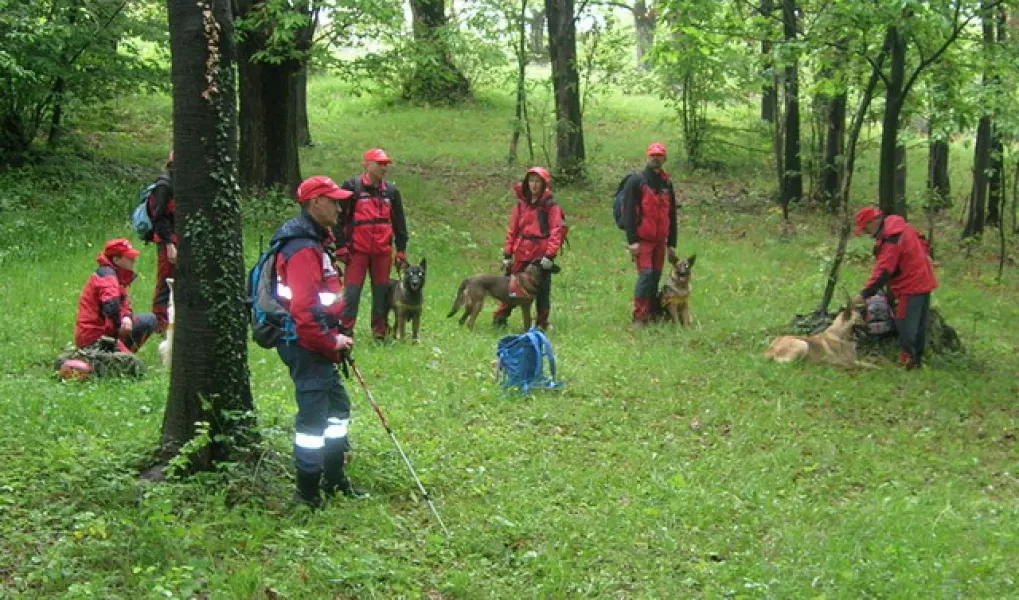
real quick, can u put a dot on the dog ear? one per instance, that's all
(424, 264)
(690, 261)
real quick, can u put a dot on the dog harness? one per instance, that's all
(668, 301)
(516, 289)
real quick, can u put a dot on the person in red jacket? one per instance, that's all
(535, 233)
(650, 222)
(104, 308)
(308, 286)
(163, 211)
(901, 262)
(373, 223)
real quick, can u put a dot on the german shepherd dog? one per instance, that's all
(516, 290)
(406, 299)
(674, 297)
(836, 345)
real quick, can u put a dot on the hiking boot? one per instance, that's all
(307, 492)
(345, 487)
(906, 361)
(336, 480)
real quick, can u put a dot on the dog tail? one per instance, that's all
(458, 300)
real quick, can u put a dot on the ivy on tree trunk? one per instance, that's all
(562, 36)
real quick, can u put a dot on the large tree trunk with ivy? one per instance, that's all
(769, 94)
(894, 98)
(792, 176)
(209, 382)
(436, 78)
(562, 43)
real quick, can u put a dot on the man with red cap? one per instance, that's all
(535, 233)
(104, 308)
(373, 222)
(901, 262)
(650, 222)
(308, 286)
(163, 212)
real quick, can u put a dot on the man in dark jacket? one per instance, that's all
(104, 308)
(901, 262)
(650, 222)
(536, 231)
(373, 223)
(308, 286)
(163, 211)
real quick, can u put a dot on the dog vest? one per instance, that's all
(516, 289)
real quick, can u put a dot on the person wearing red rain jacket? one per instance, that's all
(308, 287)
(902, 262)
(104, 308)
(163, 211)
(536, 232)
(373, 222)
(650, 222)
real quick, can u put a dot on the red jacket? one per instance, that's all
(103, 303)
(535, 230)
(374, 218)
(308, 285)
(901, 261)
(649, 209)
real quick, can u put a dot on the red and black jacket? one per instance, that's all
(536, 228)
(649, 209)
(103, 303)
(163, 211)
(308, 285)
(373, 219)
(901, 261)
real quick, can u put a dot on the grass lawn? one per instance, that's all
(675, 463)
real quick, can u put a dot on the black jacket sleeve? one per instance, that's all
(399, 221)
(631, 204)
(673, 217)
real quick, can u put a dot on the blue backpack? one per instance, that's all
(270, 321)
(141, 221)
(619, 199)
(521, 360)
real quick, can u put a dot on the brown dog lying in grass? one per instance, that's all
(835, 345)
(516, 290)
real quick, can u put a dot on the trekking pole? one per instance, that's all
(371, 400)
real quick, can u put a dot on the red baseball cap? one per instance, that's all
(376, 155)
(656, 149)
(120, 247)
(866, 215)
(320, 185)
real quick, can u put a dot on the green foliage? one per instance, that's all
(71, 55)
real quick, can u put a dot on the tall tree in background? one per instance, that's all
(276, 38)
(209, 382)
(436, 78)
(645, 19)
(562, 36)
(769, 94)
(792, 177)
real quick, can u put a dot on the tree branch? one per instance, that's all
(948, 42)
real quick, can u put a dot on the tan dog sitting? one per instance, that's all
(518, 289)
(674, 298)
(835, 345)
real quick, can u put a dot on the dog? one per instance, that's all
(836, 345)
(405, 299)
(166, 346)
(516, 290)
(674, 297)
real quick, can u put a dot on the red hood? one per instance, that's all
(124, 276)
(518, 189)
(892, 225)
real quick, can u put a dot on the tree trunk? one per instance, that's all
(982, 149)
(436, 79)
(834, 151)
(522, 123)
(769, 95)
(644, 25)
(538, 48)
(890, 123)
(303, 130)
(209, 382)
(562, 37)
(995, 186)
(938, 184)
(792, 177)
(900, 180)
